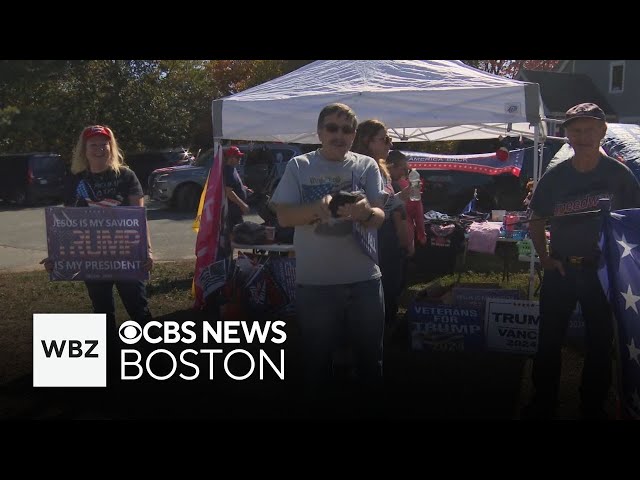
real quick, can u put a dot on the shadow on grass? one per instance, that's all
(166, 285)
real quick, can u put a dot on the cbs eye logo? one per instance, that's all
(130, 332)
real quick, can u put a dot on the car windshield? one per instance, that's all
(204, 159)
(48, 165)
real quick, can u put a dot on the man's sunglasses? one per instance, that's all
(333, 128)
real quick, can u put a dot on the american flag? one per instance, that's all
(620, 279)
(311, 193)
(85, 192)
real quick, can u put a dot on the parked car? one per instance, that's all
(261, 169)
(29, 178)
(143, 163)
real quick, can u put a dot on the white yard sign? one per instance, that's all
(512, 325)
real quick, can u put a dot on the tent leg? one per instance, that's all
(537, 160)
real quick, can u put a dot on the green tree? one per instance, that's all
(149, 103)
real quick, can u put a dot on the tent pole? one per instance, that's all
(536, 162)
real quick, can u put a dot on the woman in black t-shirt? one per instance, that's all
(101, 180)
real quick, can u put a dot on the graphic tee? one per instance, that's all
(105, 189)
(563, 190)
(328, 253)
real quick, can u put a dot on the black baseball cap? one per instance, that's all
(584, 110)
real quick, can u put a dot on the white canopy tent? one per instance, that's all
(418, 100)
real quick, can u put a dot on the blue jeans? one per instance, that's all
(325, 313)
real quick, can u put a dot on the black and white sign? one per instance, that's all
(512, 325)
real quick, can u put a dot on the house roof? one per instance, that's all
(561, 91)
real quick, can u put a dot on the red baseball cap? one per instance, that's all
(95, 130)
(233, 152)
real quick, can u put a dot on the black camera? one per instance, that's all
(342, 198)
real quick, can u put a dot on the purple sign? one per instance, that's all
(97, 243)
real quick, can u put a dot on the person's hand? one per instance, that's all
(248, 190)
(358, 211)
(549, 263)
(48, 264)
(404, 194)
(321, 210)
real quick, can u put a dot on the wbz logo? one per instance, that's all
(69, 350)
(74, 350)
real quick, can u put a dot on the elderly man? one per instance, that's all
(338, 283)
(570, 267)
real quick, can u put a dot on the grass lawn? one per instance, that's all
(427, 385)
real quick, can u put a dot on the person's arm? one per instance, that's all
(404, 194)
(289, 205)
(541, 204)
(233, 197)
(290, 215)
(419, 222)
(363, 213)
(539, 239)
(402, 231)
(70, 186)
(138, 201)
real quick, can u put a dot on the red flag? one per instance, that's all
(210, 233)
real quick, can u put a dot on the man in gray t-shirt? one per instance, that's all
(570, 267)
(338, 280)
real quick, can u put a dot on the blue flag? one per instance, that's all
(620, 278)
(472, 205)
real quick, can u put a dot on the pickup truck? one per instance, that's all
(261, 168)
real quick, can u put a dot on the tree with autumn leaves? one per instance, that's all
(149, 103)
(511, 68)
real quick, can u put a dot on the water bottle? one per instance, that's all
(414, 180)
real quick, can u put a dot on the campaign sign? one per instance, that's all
(576, 323)
(444, 327)
(477, 297)
(97, 243)
(512, 325)
(367, 238)
(283, 270)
